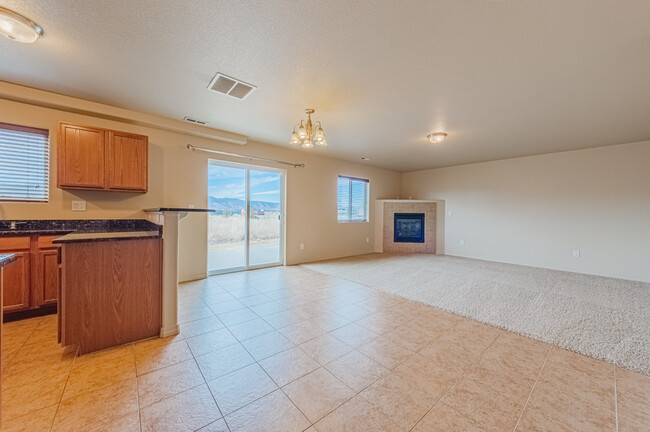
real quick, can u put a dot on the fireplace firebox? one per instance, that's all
(409, 228)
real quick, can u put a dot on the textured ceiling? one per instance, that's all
(503, 78)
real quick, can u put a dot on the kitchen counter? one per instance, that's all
(6, 259)
(105, 236)
(65, 226)
(178, 209)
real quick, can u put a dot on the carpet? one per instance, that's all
(597, 316)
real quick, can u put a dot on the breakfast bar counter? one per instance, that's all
(111, 288)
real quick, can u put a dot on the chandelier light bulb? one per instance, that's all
(322, 143)
(437, 138)
(294, 138)
(319, 136)
(302, 132)
(307, 143)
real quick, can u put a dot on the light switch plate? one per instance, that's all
(78, 205)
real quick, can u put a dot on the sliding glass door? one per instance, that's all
(246, 230)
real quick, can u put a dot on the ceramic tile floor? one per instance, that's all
(289, 349)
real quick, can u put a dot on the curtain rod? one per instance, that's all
(194, 148)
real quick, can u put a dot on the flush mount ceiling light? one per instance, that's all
(16, 27)
(306, 134)
(437, 138)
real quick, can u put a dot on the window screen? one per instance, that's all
(353, 199)
(24, 163)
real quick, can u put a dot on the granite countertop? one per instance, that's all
(65, 226)
(6, 259)
(105, 236)
(178, 209)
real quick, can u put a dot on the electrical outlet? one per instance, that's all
(448, 212)
(190, 206)
(367, 239)
(78, 205)
(462, 242)
(302, 246)
(576, 253)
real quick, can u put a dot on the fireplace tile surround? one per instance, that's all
(385, 226)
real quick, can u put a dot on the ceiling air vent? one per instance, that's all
(195, 121)
(230, 86)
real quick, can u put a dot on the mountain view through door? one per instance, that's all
(229, 246)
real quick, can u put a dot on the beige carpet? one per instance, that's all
(601, 317)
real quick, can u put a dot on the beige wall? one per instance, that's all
(178, 177)
(537, 210)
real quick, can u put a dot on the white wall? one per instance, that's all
(178, 177)
(537, 210)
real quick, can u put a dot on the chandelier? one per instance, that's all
(307, 135)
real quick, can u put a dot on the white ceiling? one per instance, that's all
(503, 78)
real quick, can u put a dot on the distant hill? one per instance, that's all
(235, 205)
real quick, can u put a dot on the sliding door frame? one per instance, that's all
(282, 239)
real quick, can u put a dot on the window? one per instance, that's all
(353, 199)
(24, 163)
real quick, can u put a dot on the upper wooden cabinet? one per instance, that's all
(126, 159)
(81, 157)
(101, 159)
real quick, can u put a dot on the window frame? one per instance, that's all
(367, 199)
(46, 167)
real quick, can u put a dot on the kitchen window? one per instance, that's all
(353, 199)
(24, 163)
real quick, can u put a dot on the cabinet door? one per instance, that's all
(16, 283)
(126, 159)
(46, 277)
(81, 157)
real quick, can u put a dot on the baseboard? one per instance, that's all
(292, 263)
(169, 331)
(29, 313)
(193, 277)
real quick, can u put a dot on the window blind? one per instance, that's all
(352, 199)
(24, 163)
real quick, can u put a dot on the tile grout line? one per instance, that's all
(521, 414)
(616, 397)
(23, 344)
(137, 388)
(205, 381)
(456, 382)
(58, 405)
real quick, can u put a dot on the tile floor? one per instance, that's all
(289, 349)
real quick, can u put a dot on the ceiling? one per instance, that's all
(503, 78)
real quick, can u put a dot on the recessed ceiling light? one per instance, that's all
(365, 158)
(437, 138)
(16, 27)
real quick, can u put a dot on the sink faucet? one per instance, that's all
(12, 225)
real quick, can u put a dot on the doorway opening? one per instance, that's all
(246, 231)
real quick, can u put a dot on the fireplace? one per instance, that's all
(409, 228)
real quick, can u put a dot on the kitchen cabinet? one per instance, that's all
(32, 280)
(126, 158)
(17, 275)
(46, 272)
(101, 159)
(80, 157)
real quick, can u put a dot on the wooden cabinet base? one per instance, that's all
(110, 292)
